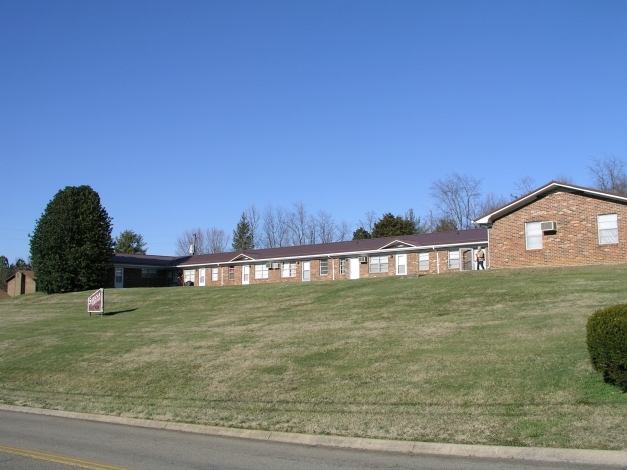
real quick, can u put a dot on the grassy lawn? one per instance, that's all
(495, 357)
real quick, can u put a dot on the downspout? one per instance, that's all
(221, 275)
(333, 272)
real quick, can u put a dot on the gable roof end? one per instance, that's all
(514, 205)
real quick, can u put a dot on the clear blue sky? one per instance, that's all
(182, 114)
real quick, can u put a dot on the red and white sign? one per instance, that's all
(95, 302)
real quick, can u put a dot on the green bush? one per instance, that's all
(607, 343)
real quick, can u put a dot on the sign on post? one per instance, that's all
(95, 302)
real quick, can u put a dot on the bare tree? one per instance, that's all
(326, 228)
(344, 231)
(491, 202)
(189, 238)
(217, 240)
(298, 225)
(523, 186)
(274, 228)
(457, 197)
(608, 174)
(254, 217)
(370, 218)
(564, 178)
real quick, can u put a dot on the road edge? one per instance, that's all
(543, 454)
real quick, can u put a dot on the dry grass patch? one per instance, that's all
(494, 357)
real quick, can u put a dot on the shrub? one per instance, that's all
(607, 343)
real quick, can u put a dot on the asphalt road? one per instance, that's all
(34, 442)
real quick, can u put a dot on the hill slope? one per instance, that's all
(495, 357)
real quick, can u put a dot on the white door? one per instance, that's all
(401, 265)
(201, 277)
(353, 268)
(245, 274)
(306, 270)
(119, 278)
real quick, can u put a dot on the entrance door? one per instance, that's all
(201, 277)
(245, 274)
(306, 270)
(119, 278)
(401, 265)
(467, 260)
(353, 268)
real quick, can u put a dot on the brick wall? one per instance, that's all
(275, 275)
(574, 243)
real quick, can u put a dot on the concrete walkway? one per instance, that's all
(575, 456)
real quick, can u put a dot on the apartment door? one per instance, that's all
(466, 259)
(119, 278)
(201, 277)
(401, 265)
(353, 268)
(306, 270)
(246, 274)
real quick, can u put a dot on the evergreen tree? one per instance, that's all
(389, 226)
(71, 245)
(361, 234)
(242, 235)
(130, 242)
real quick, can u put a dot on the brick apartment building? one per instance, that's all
(558, 225)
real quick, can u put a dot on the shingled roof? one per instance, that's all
(345, 248)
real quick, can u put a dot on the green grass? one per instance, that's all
(495, 357)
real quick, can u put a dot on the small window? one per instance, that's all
(379, 264)
(453, 259)
(533, 235)
(261, 271)
(608, 229)
(189, 275)
(214, 274)
(289, 270)
(231, 273)
(342, 266)
(119, 274)
(423, 261)
(324, 267)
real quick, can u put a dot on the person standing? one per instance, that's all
(480, 259)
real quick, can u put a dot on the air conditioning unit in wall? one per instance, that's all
(276, 265)
(548, 226)
(269, 265)
(363, 259)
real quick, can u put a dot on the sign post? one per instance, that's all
(95, 302)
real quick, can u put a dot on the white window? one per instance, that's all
(379, 264)
(608, 229)
(342, 266)
(261, 271)
(214, 274)
(423, 261)
(119, 275)
(533, 235)
(189, 275)
(453, 259)
(324, 267)
(289, 270)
